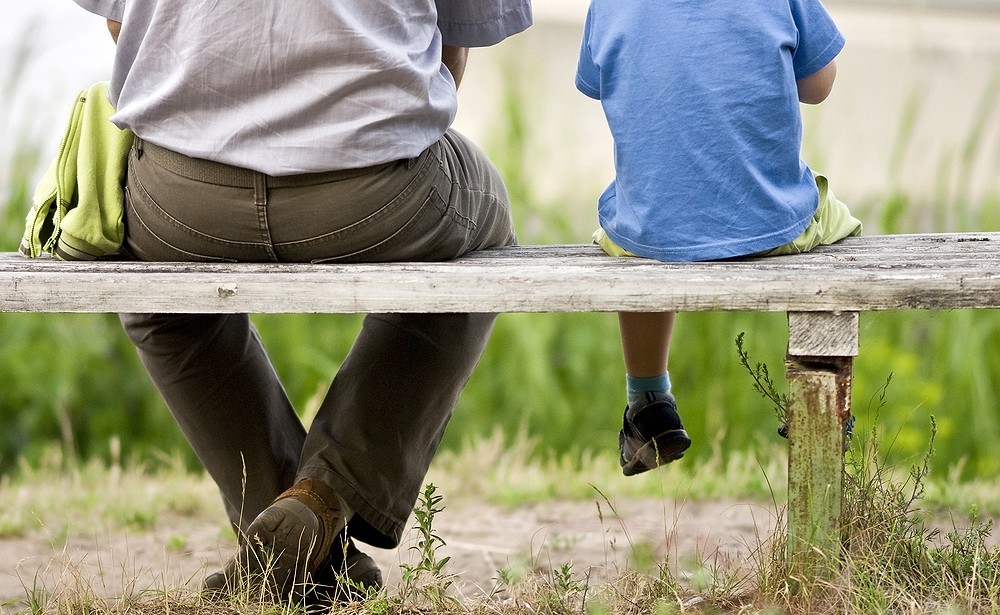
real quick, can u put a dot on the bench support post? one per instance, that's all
(821, 351)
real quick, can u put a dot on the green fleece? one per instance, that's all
(77, 209)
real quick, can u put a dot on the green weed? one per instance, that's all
(425, 583)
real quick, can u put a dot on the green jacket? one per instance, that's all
(77, 209)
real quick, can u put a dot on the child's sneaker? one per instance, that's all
(652, 434)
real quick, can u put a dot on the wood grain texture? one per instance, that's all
(882, 272)
(823, 334)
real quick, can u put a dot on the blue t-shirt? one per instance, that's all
(701, 100)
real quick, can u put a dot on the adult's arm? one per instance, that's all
(465, 24)
(816, 87)
(114, 27)
(481, 23)
(455, 58)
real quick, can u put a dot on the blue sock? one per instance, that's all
(637, 387)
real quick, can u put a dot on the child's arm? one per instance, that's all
(816, 87)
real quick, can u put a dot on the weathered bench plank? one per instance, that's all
(860, 274)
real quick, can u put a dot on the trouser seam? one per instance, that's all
(260, 202)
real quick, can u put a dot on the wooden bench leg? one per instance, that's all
(821, 351)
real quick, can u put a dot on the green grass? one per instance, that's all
(60, 497)
(888, 520)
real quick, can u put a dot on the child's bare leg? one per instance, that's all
(652, 433)
(646, 341)
(646, 347)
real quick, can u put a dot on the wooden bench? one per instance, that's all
(822, 292)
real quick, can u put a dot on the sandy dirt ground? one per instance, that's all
(481, 540)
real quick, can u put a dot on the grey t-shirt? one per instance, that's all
(289, 86)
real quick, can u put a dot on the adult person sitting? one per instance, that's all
(307, 132)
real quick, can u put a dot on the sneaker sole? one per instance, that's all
(661, 450)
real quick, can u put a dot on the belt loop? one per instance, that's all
(259, 189)
(137, 144)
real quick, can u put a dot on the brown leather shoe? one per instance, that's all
(287, 544)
